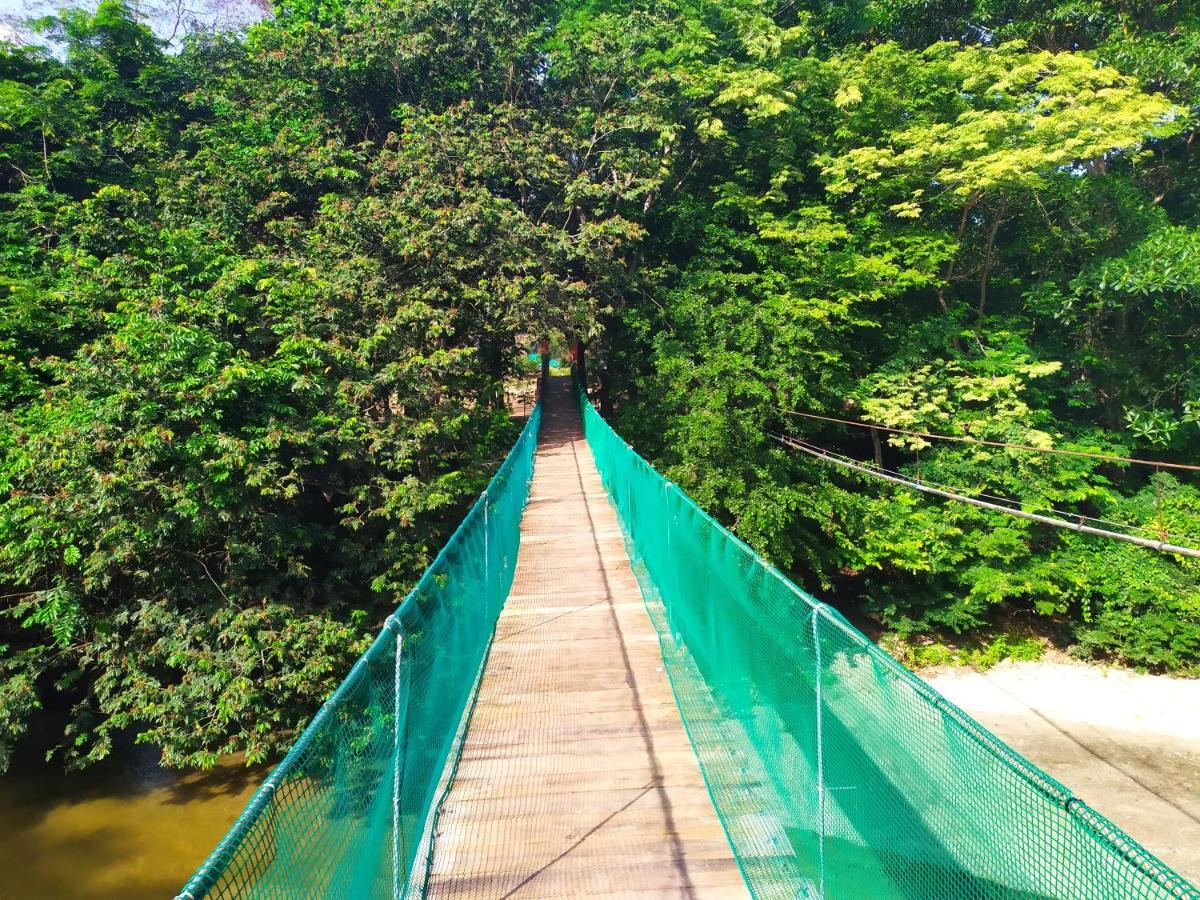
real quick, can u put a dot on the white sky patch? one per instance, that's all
(169, 19)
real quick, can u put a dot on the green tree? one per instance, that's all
(259, 299)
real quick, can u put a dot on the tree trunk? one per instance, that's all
(948, 272)
(605, 394)
(988, 255)
(579, 359)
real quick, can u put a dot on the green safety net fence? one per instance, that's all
(349, 811)
(835, 771)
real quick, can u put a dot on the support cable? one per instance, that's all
(1103, 457)
(826, 456)
(1070, 516)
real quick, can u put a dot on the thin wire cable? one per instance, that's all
(1161, 546)
(1162, 533)
(1106, 457)
(1013, 506)
(995, 498)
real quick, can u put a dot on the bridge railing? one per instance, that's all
(837, 772)
(350, 809)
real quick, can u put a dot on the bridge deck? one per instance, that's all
(576, 777)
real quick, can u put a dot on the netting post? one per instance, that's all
(627, 514)
(487, 560)
(668, 602)
(397, 878)
(820, 756)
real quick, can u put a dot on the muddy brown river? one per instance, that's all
(127, 829)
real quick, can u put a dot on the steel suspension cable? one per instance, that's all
(1161, 546)
(1029, 448)
(1081, 517)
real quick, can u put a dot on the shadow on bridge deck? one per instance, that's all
(576, 777)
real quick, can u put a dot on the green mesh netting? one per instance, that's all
(836, 772)
(349, 811)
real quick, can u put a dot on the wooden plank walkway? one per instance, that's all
(576, 777)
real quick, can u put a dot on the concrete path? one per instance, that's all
(1127, 744)
(577, 778)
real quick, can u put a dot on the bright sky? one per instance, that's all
(17, 8)
(160, 14)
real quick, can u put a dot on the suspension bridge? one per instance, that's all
(598, 691)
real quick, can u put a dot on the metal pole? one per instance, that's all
(668, 601)
(820, 756)
(487, 559)
(396, 863)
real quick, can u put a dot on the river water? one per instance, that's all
(126, 829)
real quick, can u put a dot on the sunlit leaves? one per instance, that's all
(1010, 119)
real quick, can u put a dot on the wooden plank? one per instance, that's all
(577, 778)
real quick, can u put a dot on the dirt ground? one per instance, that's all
(1127, 744)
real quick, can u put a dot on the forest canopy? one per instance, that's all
(261, 293)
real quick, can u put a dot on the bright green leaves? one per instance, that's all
(760, 94)
(944, 239)
(984, 398)
(1009, 119)
(264, 389)
(1164, 267)
(974, 138)
(1151, 427)
(1134, 316)
(19, 697)
(287, 342)
(55, 610)
(204, 686)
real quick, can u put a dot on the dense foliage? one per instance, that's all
(978, 221)
(259, 299)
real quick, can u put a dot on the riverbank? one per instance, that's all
(1127, 744)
